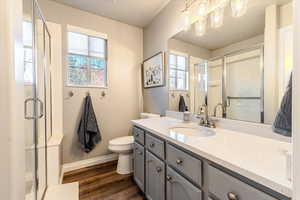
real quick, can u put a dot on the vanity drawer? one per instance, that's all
(178, 188)
(156, 146)
(222, 185)
(139, 135)
(188, 165)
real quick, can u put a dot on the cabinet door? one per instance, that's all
(155, 178)
(139, 166)
(178, 188)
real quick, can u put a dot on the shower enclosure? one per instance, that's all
(38, 115)
(234, 81)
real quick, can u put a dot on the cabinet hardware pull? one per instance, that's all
(232, 196)
(169, 178)
(152, 145)
(178, 162)
(158, 169)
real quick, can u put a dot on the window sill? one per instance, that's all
(87, 86)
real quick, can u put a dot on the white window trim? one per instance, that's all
(177, 53)
(91, 33)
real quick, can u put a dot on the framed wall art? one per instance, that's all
(153, 71)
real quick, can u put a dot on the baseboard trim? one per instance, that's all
(88, 162)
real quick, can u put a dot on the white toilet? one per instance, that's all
(124, 147)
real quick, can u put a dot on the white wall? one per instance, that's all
(123, 100)
(12, 140)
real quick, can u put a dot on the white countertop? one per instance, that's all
(260, 159)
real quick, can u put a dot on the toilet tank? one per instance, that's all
(148, 115)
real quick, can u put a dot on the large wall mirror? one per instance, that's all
(241, 69)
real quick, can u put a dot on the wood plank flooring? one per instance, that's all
(101, 182)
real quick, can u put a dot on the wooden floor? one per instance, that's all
(101, 182)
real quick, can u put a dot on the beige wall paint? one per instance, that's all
(188, 48)
(286, 15)
(156, 35)
(238, 46)
(123, 97)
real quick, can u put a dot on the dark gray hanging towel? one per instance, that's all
(182, 106)
(283, 121)
(88, 131)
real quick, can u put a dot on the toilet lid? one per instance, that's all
(122, 141)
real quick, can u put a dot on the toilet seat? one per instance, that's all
(127, 140)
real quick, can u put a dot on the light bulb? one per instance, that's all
(239, 7)
(217, 18)
(200, 26)
(202, 8)
(186, 20)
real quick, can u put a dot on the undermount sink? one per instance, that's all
(191, 130)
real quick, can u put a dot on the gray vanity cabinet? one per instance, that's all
(178, 188)
(225, 186)
(165, 171)
(155, 177)
(138, 165)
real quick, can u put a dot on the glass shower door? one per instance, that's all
(244, 85)
(38, 105)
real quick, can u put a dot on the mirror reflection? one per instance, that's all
(230, 68)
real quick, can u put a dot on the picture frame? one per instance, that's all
(154, 71)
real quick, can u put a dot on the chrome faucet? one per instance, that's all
(223, 110)
(204, 117)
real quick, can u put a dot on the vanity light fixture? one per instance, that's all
(213, 8)
(200, 26)
(217, 18)
(186, 20)
(239, 7)
(203, 7)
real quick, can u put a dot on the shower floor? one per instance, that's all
(101, 182)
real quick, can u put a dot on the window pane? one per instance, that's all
(28, 55)
(181, 63)
(173, 66)
(98, 77)
(172, 73)
(27, 33)
(97, 47)
(181, 74)
(97, 63)
(28, 72)
(172, 59)
(180, 84)
(172, 83)
(77, 76)
(78, 43)
(78, 61)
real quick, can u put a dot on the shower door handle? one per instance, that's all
(41, 108)
(25, 108)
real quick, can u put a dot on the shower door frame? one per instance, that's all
(36, 12)
(260, 47)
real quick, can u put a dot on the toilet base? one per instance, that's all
(125, 163)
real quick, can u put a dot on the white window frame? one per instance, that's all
(187, 71)
(89, 33)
